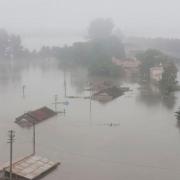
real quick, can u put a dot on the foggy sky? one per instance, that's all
(134, 17)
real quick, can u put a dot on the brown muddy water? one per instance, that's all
(144, 143)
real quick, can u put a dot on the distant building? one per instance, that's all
(156, 73)
(108, 94)
(130, 65)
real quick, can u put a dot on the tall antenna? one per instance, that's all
(90, 102)
(11, 141)
(23, 90)
(65, 84)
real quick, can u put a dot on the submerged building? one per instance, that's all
(156, 73)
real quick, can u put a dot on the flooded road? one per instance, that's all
(144, 144)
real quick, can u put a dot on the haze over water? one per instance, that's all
(133, 137)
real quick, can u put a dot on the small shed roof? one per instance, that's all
(32, 167)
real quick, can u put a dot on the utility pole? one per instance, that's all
(33, 122)
(34, 138)
(90, 104)
(55, 102)
(65, 84)
(90, 99)
(23, 88)
(11, 141)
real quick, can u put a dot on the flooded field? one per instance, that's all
(135, 136)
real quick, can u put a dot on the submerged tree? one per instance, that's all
(11, 46)
(168, 82)
(151, 58)
(155, 58)
(97, 52)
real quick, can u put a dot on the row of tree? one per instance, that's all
(95, 53)
(168, 46)
(103, 42)
(11, 46)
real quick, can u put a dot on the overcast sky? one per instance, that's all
(134, 17)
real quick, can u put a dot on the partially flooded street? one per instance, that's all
(134, 136)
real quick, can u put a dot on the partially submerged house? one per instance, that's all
(126, 63)
(130, 65)
(156, 73)
(36, 116)
(109, 94)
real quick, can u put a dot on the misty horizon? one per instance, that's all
(89, 89)
(134, 18)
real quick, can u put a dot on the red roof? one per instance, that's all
(35, 116)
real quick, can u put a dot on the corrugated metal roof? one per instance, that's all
(36, 116)
(32, 167)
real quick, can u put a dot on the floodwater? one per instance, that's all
(144, 144)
